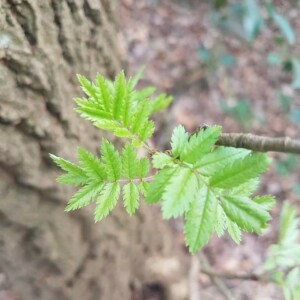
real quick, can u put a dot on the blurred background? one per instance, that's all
(232, 63)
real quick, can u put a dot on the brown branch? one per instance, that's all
(259, 143)
(229, 276)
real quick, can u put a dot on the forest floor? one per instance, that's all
(166, 37)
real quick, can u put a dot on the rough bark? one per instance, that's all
(46, 253)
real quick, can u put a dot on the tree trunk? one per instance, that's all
(46, 253)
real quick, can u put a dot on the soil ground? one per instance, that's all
(166, 36)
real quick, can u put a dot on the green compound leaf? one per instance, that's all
(115, 106)
(88, 88)
(200, 144)
(91, 110)
(200, 219)
(221, 157)
(119, 95)
(266, 201)
(247, 214)
(75, 174)
(234, 231)
(140, 118)
(107, 200)
(158, 185)
(91, 165)
(85, 195)
(179, 140)
(220, 221)
(179, 193)
(112, 160)
(104, 92)
(129, 162)
(161, 160)
(143, 167)
(131, 197)
(240, 171)
(144, 188)
(160, 103)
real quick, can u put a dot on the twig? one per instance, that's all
(250, 277)
(195, 293)
(259, 143)
(215, 279)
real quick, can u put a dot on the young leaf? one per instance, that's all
(111, 159)
(75, 175)
(104, 92)
(144, 188)
(146, 131)
(240, 171)
(120, 94)
(200, 143)
(160, 102)
(122, 132)
(131, 197)
(179, 140)
(179, 193)
(220, 221)
(129, 162)
(200, 219)
(219, 158)
(141, 116)
(91, 165)
(266, 201)
(245, 213)
(107, 200)
(142, 167)
(245, 189)
(132, 82)
(234, 231)
(158, 185)
(88, 88)
(85, 195)
(161, 160)
(91, 111)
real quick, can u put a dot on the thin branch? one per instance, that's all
(249, 277)
(259, 143)
(215, 279)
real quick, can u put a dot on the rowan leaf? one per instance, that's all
(219, 158)
(131, 197)
(107, 200)
(119, 95)
(75, 174)
(160, 103)
(161, 160)
(179, 140)
(234, 231)
(112, 160)
(129, 162)
(85, 195)
(179, 193)
(200, 219)
(142, 167)
(240, 171)
(91, 165)
(158, 184)
(200, 144)
(247, 214)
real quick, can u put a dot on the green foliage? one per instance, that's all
(284, 259)
(209, 186)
